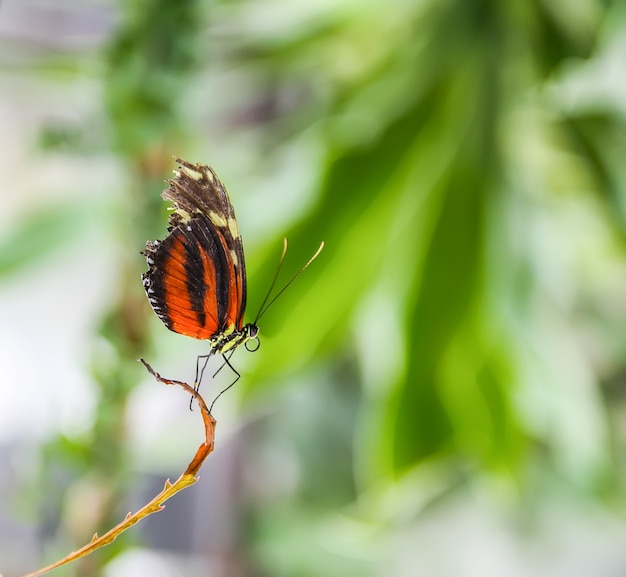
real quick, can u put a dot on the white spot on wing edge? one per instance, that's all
(216, 219)
(185, 217)
(233, 255)
(232, 225)
(191, 173)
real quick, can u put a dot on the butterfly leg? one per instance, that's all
(233, 369)
(224, 364)
(199, 373)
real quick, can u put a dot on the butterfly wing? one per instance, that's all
(196, 280)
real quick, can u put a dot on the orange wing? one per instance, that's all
(196, 280)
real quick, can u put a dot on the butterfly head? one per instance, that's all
(251, 334)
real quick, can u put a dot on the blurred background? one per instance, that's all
(443, 392)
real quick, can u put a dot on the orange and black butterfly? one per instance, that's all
(196, 280)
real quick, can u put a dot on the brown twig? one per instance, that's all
(170, 489)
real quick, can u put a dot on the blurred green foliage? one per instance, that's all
(51, 227)
(423, 198)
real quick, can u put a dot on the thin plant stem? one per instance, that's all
(189, 477)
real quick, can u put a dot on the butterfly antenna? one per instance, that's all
(269, 292)
(264, 308)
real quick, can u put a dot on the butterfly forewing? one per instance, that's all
(196, 281)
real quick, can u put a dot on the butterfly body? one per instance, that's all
(196, 280)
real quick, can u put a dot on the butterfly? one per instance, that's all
(196, 278)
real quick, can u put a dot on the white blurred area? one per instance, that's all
(48, 309)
